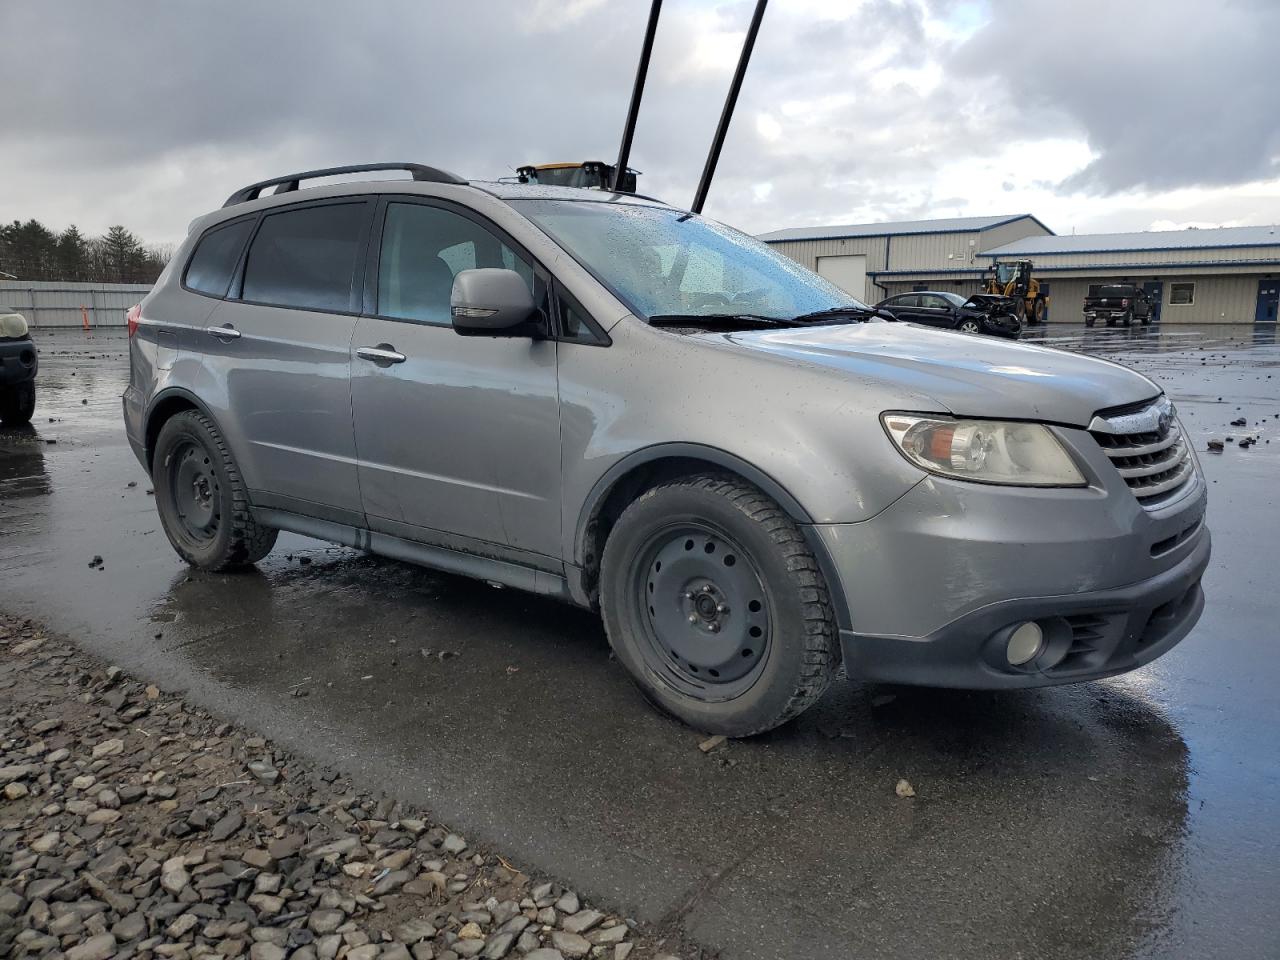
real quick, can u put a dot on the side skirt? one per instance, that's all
(424, 554)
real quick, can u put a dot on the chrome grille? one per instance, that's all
(1148, 449)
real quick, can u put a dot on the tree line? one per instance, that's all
(31, 251)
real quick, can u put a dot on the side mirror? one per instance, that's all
(491, 303)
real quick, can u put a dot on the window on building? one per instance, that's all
(215, 258)
(305, 258)
(1182, 293)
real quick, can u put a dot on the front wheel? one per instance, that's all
(18, 404)
(203, 504)
(1089, 321)
(717, 607)
(969, 326)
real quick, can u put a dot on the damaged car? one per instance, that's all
(756, 480)
(979, 313)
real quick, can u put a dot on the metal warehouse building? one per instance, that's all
(874, 260)
(1227, 275)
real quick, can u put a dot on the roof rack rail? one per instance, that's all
(289, 183)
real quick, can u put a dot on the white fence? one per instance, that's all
(56, 303)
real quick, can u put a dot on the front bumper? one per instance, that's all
(19, 361)
(1002, 326)
(934, 585)
(1088, 635)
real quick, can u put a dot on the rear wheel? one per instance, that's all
(1036, 313)
(18, 404)
(1127, 320)
(717, 607)
(203, 505)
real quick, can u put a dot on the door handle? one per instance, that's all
(383, 354)
(224, 333)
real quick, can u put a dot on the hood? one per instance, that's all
(991, 303)
(966, 376)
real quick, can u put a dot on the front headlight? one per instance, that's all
(986, 451)
(13, 325)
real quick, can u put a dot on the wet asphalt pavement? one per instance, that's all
(1138, 816)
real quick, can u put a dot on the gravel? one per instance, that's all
(133, 825)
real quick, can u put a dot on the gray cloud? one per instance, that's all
(149, 112)
(1168, 94)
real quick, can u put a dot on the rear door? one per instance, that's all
(903, 306)
(458, 437)
(279, 349)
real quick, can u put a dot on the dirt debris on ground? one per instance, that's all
(134, 826)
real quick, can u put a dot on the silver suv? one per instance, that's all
(607, 400)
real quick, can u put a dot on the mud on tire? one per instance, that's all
(201, 497)
(717, 607)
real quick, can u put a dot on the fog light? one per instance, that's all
(1024, 643)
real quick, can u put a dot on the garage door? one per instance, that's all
(849, 273)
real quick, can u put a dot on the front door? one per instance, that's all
(279, 351)
(934, 310)
(1155, 292)
(458, 438)
(1268, 300)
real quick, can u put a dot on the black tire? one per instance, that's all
(1146, 321)
(1089, 321)
(969, 325)
(776, 595)
(1127, 320)
(18, 404)
(209, 525)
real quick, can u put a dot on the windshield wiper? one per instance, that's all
(849, 310)
(714, 319)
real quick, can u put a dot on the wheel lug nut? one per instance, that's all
(722, 608)
(693, 618)
(706, 588)
(688, 595)
(713, 627)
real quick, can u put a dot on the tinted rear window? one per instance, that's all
(214, 260)
(306, 258)
(1117, 291)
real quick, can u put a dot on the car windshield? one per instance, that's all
(664, 263)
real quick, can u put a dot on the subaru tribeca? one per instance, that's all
(604, 399)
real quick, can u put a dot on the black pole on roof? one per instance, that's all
(637, 91)
(731, 101)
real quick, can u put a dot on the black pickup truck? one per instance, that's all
(1116, 303)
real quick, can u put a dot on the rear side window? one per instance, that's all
(215, 258)
(306, 258)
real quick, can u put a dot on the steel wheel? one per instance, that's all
(704, 611)
(196, 491)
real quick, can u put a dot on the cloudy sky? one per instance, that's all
(1095, 115)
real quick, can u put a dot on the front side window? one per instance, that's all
(933, 301)
(306, 258)
(662, 262)
(215, 258)
(1182, 293)
(423, 249)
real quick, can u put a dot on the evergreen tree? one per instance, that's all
(72, 255)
